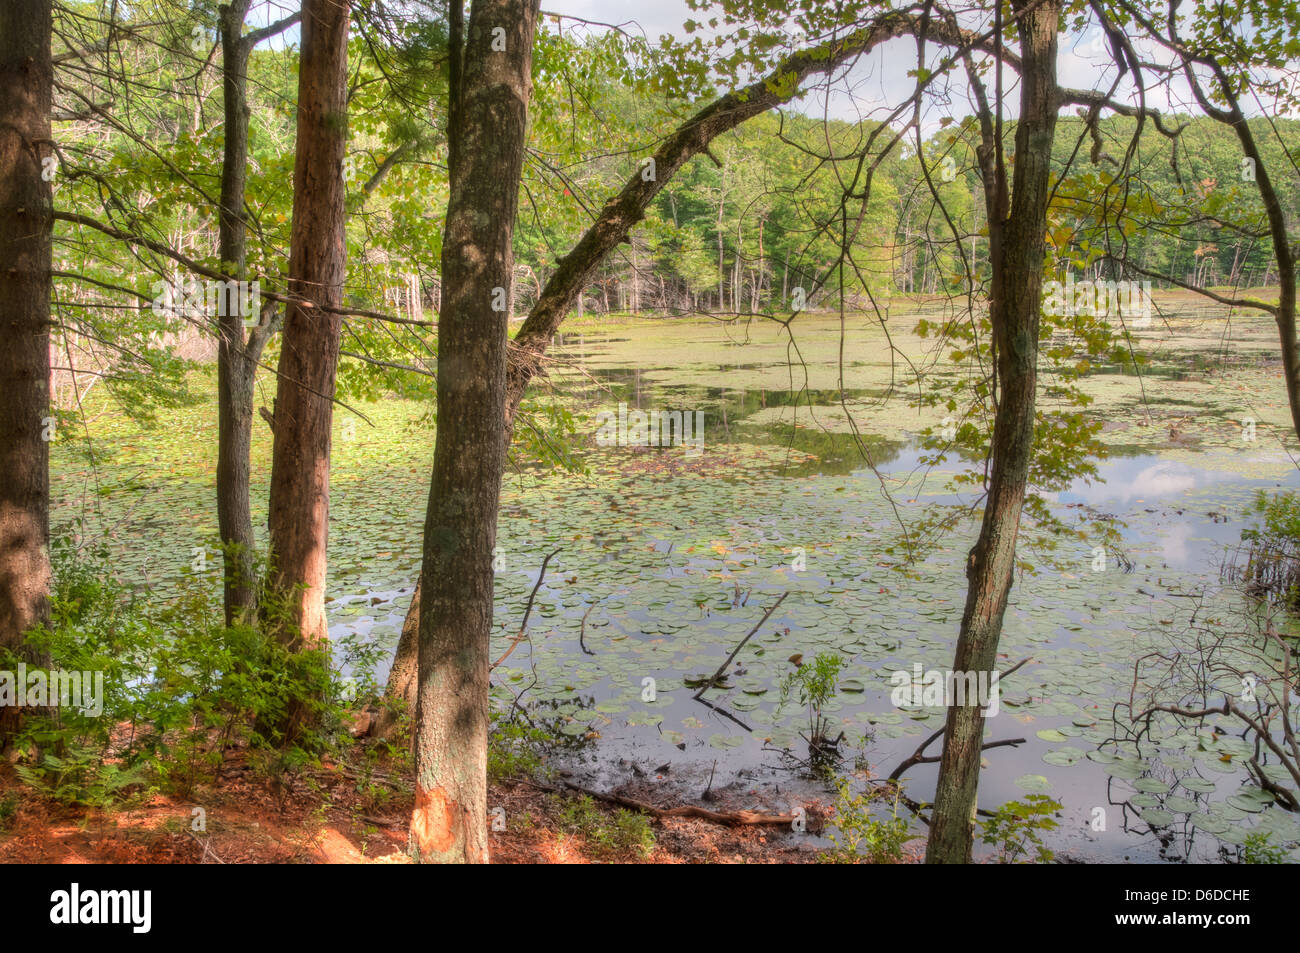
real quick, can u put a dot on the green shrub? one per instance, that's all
(1258, 850)
(1015, 828)
(607, 834)
(858, 836)
(516, 750)
(180, 688)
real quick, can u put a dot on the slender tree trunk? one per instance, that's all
(1283, 253)
(238, 353)
(400, 688)
(299, 499)
(236, 366)
(26, 220)
(1014, 313)
(636, 280)
(491, 84)
(722, 264)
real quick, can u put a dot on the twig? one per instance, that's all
(723, 667)
(919, 757)
(206, 849)
(583, 631)
(541, 573)
(724, 713)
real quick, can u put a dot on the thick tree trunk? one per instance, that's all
(299, 498)
(26, 219)
(1014, 313)
(490, 90)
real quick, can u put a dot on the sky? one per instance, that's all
(1083, 62)
(877, 83)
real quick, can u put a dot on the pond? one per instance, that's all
(807, 473)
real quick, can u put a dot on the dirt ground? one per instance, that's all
(328, 818)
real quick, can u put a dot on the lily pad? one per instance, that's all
(1033, 783)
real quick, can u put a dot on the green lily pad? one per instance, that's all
(1151, 785)
(1156, 817)
(1063, 757)
(1033, 783)
(1210, 823)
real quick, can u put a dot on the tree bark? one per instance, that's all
(26, 220)
(237, 354)
(1017, 264)
(491, 84)
(400, 689)
(299, 498)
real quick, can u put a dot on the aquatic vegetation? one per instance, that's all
(670, 559)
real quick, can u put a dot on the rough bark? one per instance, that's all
(26, 219)
(490, 91)
(1017, 264)
(299, 498)
(237, 353)
(400, 689)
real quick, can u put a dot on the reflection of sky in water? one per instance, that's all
(1145, 478)
(1184, 536)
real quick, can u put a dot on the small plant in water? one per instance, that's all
(1017, 827)
(858, 836)
(814, 684)
(1258, 850)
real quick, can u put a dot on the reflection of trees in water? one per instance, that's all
(1232, 667)
(725, 408)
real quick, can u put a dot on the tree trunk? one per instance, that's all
(1014, 313)
(236, 358)
(299, 499)
(491, 84)
(1283, 253)
(26, 220)
(400, 689)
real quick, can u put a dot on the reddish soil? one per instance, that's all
(325, 819)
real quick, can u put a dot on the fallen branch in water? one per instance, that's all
(919, 757)
(582, 633)
(523, 626)
(723, 667)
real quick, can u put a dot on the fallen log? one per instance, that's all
(727, 818)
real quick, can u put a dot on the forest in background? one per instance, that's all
(734, 232)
